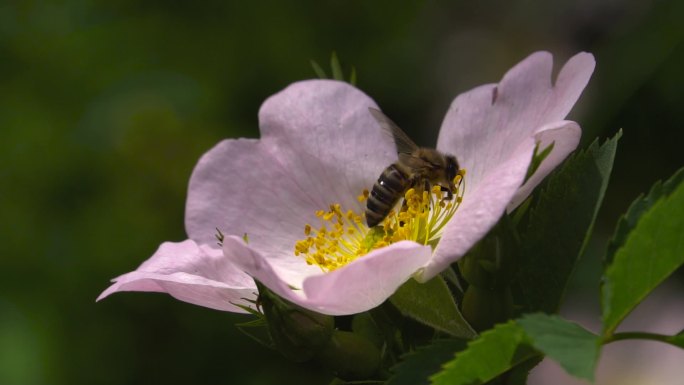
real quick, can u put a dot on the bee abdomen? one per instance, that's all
(386, 192)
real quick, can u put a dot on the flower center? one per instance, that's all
(344, 236)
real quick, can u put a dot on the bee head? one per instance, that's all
(451, 167)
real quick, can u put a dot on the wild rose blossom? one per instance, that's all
(288, 202)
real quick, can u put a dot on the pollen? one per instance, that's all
(343, 236)
(363, 196)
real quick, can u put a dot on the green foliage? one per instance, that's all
(258, 331)
(98, 144)
(257, 328)
(364, 325)
(559, 225)
(416, 367)
(518, 375)
(492, 354)
(432, 304)
(573, 347)
(336, 70)
(336, 67)
(489, 264)
(649, 253)
(488, 268)
(538, 158)
(513, 348)
(297, 333)
(642, 204)
(320, 72)
(350, 356)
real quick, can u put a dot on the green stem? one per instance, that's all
(639, 336)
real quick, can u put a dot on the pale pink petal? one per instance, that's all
(565, 136)
(319, 145)
(484, 204)
(238, 188)
(200, 275)
(323, 128)
(485, 125)
(354, 288)
(570, 82)
(368, 281)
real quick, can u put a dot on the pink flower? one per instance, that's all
(198, 274)
(319, 148)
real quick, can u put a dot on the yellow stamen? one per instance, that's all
(421, 218)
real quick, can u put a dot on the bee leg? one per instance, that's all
(404, 207)
(414, 182)
(450, 194)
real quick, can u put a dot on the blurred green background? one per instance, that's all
(105, 108)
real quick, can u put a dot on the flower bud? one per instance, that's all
(350, 356)
(483, 308)
(297, 333)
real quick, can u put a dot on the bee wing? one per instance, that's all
(404, 144)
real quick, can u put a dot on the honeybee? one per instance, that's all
(418, 167)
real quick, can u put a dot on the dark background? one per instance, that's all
(105, 108)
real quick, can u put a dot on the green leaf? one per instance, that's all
(349, 356)
(650, 253)
(573, 347)
(364, 325)
(432, 304)
(352, 77)
(451, 277)
(258, 331)
(518, 374)
(559, 225)
(521, 210)
(387, 321)
(318, 70)
(417, 367)
(336, 67)
(493, 353)
(538, 158)
(642, 204)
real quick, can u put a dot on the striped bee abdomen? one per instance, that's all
(389, 187)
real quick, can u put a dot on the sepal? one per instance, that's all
(297, 333)
(350, 356)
